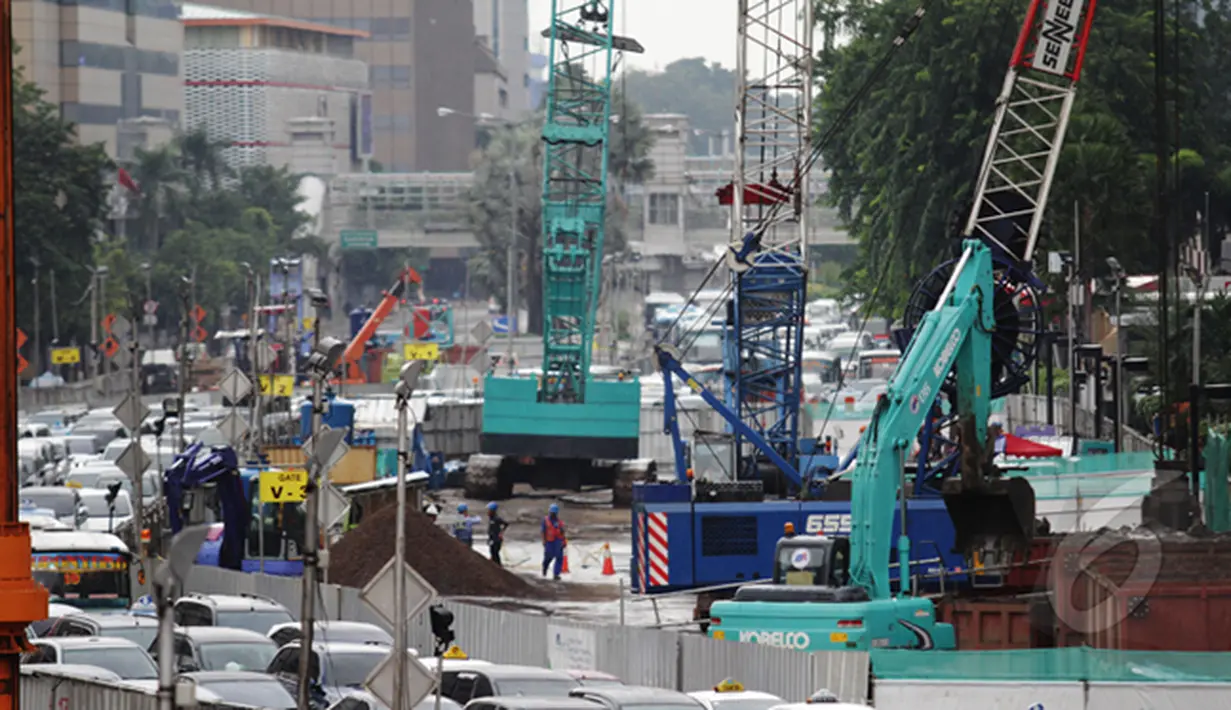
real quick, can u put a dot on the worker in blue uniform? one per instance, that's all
(554, 542)
(495, 533)
(463, 529)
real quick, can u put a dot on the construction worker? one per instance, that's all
(554, 542)
(788, 530)
(463, 529)
(495, 533)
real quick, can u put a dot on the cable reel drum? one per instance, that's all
(989, 511)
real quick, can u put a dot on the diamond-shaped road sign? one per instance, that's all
(133, 461)
(235, 385)
(481, 331)
(123, 357)
(131, 412)
(382, 682)
(378, 594)
(233, 427)
(333, 505)
(326, 448)
(121, 327)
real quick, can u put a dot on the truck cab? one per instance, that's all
(798, 609)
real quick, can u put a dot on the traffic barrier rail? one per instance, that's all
(41, 690)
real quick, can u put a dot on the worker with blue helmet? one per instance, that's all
(495, 533)
(554, 542)
(463, 529)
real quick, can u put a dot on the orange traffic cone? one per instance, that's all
(564, 566)
(608, 563)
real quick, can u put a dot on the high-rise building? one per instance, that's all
(116, 75)
(421, 56)
(502, 28)
(277, 91)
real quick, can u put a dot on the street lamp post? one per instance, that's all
(1117, 273)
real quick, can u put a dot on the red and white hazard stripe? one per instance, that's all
(657, 543)
(642, 571)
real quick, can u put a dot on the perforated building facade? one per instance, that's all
(277, 91)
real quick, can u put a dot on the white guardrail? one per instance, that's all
(48, 691)
(639, 656)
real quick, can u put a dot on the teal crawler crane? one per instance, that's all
(565, 426)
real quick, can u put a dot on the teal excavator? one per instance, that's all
(568, 425)
(964, 340)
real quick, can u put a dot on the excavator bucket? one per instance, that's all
(996, 514)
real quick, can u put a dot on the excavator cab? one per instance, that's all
(812, 561)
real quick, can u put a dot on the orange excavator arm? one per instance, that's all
(392, 297)
(24, 601)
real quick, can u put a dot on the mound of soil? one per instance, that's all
(451, 567)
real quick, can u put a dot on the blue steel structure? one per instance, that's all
(566, 426)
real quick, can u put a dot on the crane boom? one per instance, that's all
(1032, 116)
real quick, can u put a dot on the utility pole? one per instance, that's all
(150, 318)
(311, 543)
(55, 314)
(185, 358)
(93, 349)
(37, 360)
(510, 308)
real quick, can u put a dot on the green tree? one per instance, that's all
(906, 162)
(60, 200)
(702, 90)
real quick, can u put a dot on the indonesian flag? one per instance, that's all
(127, 181)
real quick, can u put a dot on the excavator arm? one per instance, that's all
(956, 336)
(198, 466)
(387, 304)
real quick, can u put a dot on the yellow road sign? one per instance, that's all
(421, 351)
(289, 486)
(65, 356)
(309, 324)
(283, 385)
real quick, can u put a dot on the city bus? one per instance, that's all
(88, 570)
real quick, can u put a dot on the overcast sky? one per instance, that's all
(668, 29)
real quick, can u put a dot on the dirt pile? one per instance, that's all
(448, 565)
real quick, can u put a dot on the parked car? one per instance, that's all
(527, 702)
(337, 667)
(80, 671)
(595, 678)
(244, 688)
(464, 685)
(633, 697)
(141, 630)
(220, 648)
(352, 631)
(730, 695)
(120, 656)
(363, 700)
(241, 611)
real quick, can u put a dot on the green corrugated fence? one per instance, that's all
(1217, 501)
(1053, 664)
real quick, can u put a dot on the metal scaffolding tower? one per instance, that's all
(769, 197)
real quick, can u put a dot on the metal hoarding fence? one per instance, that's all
(1071, 695)
(524, 634)
(49, 691)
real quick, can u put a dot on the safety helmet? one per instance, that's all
(462, 508)
(492, 506)
(554, 508)
(788, 527)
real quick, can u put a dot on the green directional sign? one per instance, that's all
(359, 239)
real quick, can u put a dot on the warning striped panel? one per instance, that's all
(641, 554)
(656, 537)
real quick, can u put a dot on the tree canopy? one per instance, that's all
(59, 199)
(703, 90)
(907, 161)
